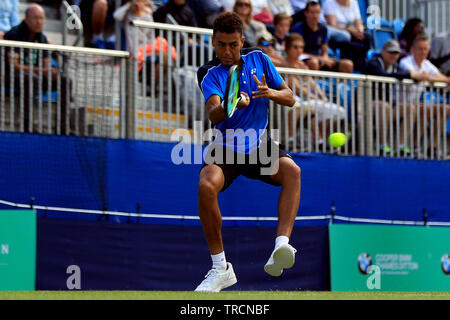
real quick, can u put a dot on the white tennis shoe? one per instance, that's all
(216, 280)
(281, 258)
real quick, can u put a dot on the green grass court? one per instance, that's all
(225, 295)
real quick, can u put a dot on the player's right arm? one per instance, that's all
(216, 113)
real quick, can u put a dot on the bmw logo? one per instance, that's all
(445, 264)
(364, 262)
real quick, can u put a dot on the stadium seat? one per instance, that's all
(398, 25)
(371, 52)
(363, 9)
(384, 23)
(381, 35)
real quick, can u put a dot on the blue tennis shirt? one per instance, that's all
(212, 79)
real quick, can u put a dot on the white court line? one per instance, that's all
(189, 217)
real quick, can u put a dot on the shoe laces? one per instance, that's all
(211, 273)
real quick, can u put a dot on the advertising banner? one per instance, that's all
(389, 258)
(17, 250)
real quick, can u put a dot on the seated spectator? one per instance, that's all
(9, 15)
(253, 29)
(308, 93)
(206, 11)
(282, 24)
(261, 11)
(179, 10)
(185, 16)
(345, 15)
(267, 43)
(141, 10)
(316, 39)
(30, 30)
(417, 62)
(335, 35)
(95, 13)
(386, 64)
(440, 52)
(413, 27)
(280, 6)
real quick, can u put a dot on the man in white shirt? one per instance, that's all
(418, 62)
(345, 15)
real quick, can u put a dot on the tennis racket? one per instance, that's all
(232, 92)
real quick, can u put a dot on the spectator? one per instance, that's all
(179, 10)
(227, 4)
(386, 64)
(413, 27)
(440, 52)
(206, 11)
(335, 35)
(418, 62)
(9, 16)
(345, 15)
(94, 13)
(253, 29)
(30, 30)
(307, 92)
(141, 10)
(267, 43)
(261, 11)
(280, 6)
(316, 39)
(282, 23)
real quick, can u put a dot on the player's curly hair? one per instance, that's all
(228, 22)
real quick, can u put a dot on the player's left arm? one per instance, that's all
(282, 95)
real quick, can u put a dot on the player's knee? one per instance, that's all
(292, 173)
(207, 188)
(101, 5)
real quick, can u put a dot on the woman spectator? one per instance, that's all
(413, 27)
(142, 10)
(345, 15)
(261, 11)
(253, 29)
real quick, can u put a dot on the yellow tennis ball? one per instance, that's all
(337, 139)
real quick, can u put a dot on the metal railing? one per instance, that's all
(434, 13)
(381, 116)
(150, 94)
(166, 94)
(58, 89)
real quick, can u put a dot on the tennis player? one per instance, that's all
(259, 82)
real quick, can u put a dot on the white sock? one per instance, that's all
(111, 38)
(280, 240)
(219, 261)
(96, 37)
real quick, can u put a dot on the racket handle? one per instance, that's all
(242, 97)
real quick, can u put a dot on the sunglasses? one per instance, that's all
(243, 4)
(267, 44)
